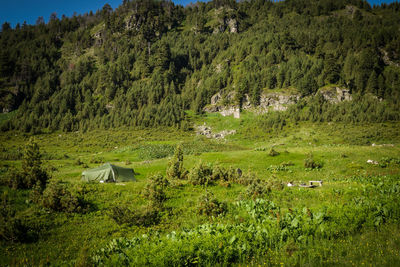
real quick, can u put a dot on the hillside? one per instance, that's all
(252, 133)
(147, 62)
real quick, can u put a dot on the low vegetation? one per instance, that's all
(245, 213)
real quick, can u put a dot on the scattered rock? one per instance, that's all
(206, 131)
(233, 110)
(389, 145)
(370, 161)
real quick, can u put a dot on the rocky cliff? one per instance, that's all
(269, 101)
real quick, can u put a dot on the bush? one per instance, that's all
(201, 174)
(79, 162)
(246, 178)
(273, 153)
(32, 172)
(12, 228)
(154, 191)
(97, 160)
(142, 217)
(58, 197)
(175, 165)
(155, 151)
(310, 163)
(210, 206)
(386, 161)
(257, 189)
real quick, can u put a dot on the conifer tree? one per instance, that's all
(175, 165)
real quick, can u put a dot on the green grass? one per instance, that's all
(343, 150)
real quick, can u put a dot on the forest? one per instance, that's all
(146, 63)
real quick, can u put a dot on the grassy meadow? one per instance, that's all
(353, 219)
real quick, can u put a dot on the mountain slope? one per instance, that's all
(147, 62)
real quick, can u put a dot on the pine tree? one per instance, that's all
(175, 165)
(32, 166)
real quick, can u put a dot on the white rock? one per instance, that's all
(370, 161)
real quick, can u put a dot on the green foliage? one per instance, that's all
(267, 225)
(32, 172)
(12, 227)
(257, 189)
(155, 151)
(207, 174)
(386, 161)
(58, 196)
(350, 198)
(200, 174)
(273, 153)
(96, 160)
(310, 163)
(76, 74)
(155, 191)
(145, 217)
(175, 165)
(210, 206)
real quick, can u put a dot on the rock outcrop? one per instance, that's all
(336, 94)
(273, 101)
(276, 102)
(268, 102)
(232, 25)
(226, 21)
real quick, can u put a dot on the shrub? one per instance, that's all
(155, 151)
(97, 160)
(201, 174)
(141, 217)
(175, 165)
(210, 206)
(12, 228)
(287, 164)
(257, 189)
(273, 153)
(32, 172)
(310, 163)
(79, 162)
(246, 178)
(274, 185)
(58, 197)
(386, 161)
(154, 191)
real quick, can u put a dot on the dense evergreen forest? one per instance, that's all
(147, 62)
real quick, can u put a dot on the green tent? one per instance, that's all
(108, 173)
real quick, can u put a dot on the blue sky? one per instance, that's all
(29, 10)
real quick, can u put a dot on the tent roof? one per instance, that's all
(109, 173)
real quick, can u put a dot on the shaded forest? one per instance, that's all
(147, 62)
